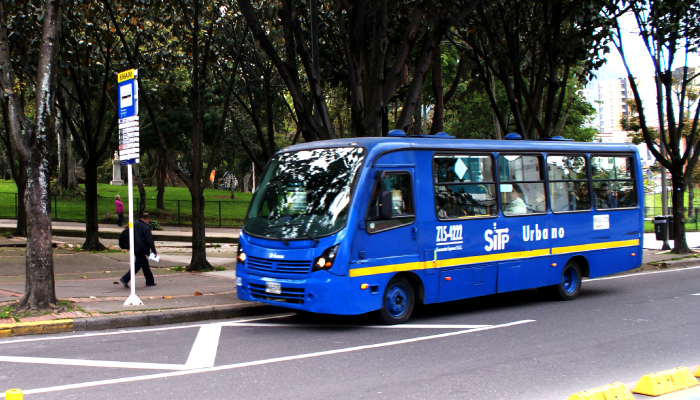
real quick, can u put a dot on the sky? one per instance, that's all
(638, 57)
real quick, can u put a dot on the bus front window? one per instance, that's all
(305, 194)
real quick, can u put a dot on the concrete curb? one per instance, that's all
(148, 318)
(689, 262)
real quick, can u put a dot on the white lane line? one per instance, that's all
(91, 363)
(122, 332)
(340, 326)
(695, 294)
(639, 274)
(262, 362)
(203, 353)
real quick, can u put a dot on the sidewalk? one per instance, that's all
(91, 281)
(112, 231)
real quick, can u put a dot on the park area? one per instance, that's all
(219, 208)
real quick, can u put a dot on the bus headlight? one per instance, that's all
(241, 255)
(326, 259)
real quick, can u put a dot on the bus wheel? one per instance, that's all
(397, 303)
(570, 285)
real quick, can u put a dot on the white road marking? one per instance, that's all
(122, 332)
(640, 273)
(203, 353)
(263, 362)
(695, 294)
(92, 363)
(402, 326)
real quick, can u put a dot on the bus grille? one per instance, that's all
(257, 264)
(288, 295)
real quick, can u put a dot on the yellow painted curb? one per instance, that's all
(36, 328)
(614, 391)
(664, 382)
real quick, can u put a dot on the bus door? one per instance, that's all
(525, 254)
(389, 233)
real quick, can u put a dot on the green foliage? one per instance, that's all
(155, 226)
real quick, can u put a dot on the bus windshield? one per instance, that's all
(304, 194)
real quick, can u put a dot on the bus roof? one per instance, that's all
(376, 145)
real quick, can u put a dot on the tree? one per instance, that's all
(667, 28)
(31, 140)
(87, 65)
(534, 49)
(193, 26)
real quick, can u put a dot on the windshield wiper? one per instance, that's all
(312, 238)
(282, 239)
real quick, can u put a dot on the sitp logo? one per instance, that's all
(496, 238)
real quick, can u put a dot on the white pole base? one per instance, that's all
(133, 300)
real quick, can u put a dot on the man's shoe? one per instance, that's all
(126, 285)
(150, 284)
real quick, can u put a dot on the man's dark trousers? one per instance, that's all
(141, 262)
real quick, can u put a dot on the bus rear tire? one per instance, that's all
(569, 286)
(397, 303)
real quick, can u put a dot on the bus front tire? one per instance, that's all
(569, 286)
(397, 302)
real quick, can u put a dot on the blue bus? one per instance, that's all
(358, 225)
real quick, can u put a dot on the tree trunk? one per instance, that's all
(39, 289)
(199, 250)
(92, 229)
(680, 245)
(21, 182)
(162, 173)
(439, 109)
(691, 198)
(142, 190)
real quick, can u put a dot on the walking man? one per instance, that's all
(143, 246)
(120, 210)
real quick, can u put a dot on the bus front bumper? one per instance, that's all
(320, 292)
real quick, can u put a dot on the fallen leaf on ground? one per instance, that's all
(93, 297)
(167, 297)
(198, 294)
(84, 276)
(151, 297)
(106, 272)
(116, 283)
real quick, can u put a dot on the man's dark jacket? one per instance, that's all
(143, 240)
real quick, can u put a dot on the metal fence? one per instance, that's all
(225, 213)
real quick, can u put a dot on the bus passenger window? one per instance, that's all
(401, 202)
(568, 183)
(522, 185)
(613, 183)
(464, 186)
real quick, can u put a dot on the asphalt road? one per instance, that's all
(509, 346)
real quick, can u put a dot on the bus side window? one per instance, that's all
(568, 183)
(613, 183)
(399, 184)
(522, 184)
(464, 186)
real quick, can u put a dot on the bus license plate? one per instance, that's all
(273, 287)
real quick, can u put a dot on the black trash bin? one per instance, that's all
(663, 224)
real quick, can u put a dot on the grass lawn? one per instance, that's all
(68, 208)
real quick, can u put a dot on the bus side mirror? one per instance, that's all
(385, 204)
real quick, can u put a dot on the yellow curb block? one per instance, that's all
(664, 382)
(614, 391)
(14, 394)
(36, 328)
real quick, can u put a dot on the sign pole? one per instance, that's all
(133, 300)
(128, 92)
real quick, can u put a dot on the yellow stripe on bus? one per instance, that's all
(595, 246)
(451, 262)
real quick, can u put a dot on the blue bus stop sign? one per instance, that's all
(128, 94)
